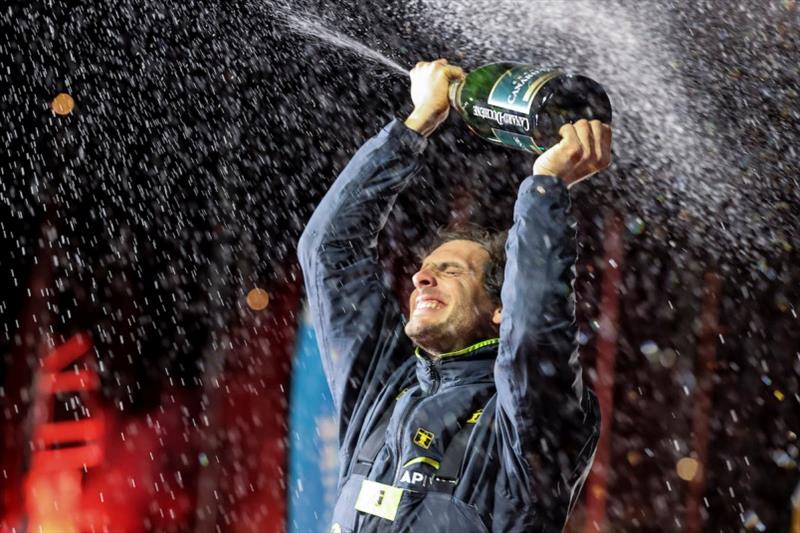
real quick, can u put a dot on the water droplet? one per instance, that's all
(667, 358)
(649, 348)
(753, 522)
(635, 225)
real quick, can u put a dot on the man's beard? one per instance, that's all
(416, 329)
(432, 337)
(453, 332)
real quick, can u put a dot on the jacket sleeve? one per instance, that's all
(351, 307)
(548, 420)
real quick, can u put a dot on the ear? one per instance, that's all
(497, 316)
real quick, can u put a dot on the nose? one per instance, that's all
(423, 278)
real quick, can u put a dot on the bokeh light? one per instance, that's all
(633, 457)
(62, 104)
(687, 468)
(257, 299)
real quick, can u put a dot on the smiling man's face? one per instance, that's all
(449, 308)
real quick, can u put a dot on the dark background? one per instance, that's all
(204, 135)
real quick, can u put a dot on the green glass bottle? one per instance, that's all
(523, 106)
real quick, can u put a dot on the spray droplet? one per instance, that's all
(667, 358)
(752, 522)
(635, 225)
(649, 348)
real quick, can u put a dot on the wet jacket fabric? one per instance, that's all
(531, 424)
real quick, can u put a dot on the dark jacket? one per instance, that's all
(527, 425)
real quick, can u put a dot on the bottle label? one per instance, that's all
(517, 87)
(501, 118)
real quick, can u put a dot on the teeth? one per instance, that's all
(429, 304)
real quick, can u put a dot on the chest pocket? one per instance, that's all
(447, 474)
(446, 477)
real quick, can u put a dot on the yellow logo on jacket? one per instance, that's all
(423, 438)
(475, 416)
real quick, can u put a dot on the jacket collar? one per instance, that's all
(472, 364)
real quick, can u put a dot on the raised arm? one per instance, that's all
(348, 301)
(353, 311)
(548, 420)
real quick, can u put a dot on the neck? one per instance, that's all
(434, 351)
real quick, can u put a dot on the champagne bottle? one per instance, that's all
(522, 106)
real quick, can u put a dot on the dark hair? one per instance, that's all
(492, 241)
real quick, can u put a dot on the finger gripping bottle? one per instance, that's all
(522, 106)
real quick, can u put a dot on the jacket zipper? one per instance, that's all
(436, 379)
(434, 374)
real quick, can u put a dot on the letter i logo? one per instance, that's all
(423, 438)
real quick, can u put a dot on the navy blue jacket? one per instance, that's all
(534, 424)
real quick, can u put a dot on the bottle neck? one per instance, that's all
(453, 92)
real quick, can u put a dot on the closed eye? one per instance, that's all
(446, 268)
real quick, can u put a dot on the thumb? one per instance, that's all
(454, 73)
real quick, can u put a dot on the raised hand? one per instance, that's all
(430, 82)
(584, 150)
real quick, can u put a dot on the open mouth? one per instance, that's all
(427, 305)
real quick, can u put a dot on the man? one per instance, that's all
(472, 414)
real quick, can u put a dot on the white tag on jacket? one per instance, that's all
(378, 499)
